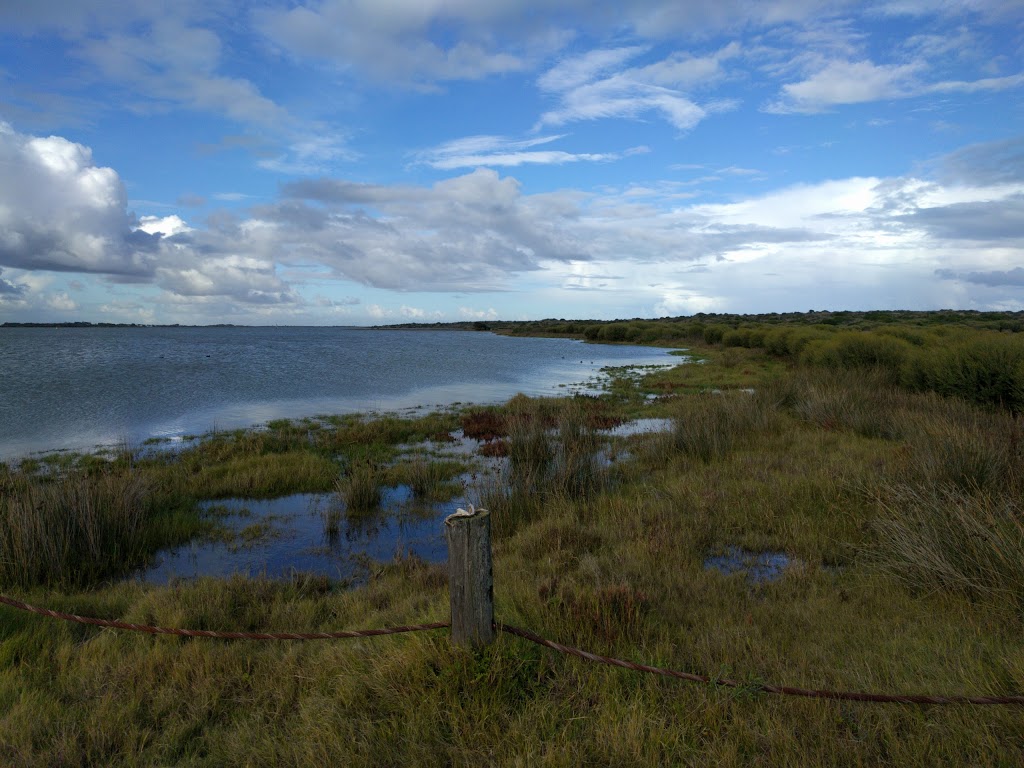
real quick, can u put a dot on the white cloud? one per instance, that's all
(857, 82)
(470, 313)
(480, 232)
(845, 82)
(60, 211)
(587, 92)
(177, 63)
(477, 151)
(166, 226)
(391, 41)
(575, 71)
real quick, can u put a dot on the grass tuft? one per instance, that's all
(360, 488)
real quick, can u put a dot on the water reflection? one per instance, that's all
(277, 537)
(760, 567)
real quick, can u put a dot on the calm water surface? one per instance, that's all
(291, 536)
(80, 388)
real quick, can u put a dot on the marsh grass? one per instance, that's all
(948, 538)
(955, 445)
(360, 488)
(707, 427)
(428, 479)
(908, 582)
(71, 529)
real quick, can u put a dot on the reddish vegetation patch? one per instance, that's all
(598, 416)
(611, 612)
(483, 425)
(494, 448)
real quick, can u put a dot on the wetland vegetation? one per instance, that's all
(874, 459)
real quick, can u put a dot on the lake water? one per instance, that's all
(81, 388)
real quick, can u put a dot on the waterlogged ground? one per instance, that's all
(309, 533)
(759, 567)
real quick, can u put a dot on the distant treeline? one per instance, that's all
(977, 356)
(83, 324)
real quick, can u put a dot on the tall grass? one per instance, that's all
(71, 529)
(360, 488)
(951, 539)
(865, 402)
(951, 444)
(707, 427)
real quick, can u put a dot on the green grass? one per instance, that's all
(360, 488)
(900, 511)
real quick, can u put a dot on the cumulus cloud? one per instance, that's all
(480, 232)
(166, 226)
(62, 212)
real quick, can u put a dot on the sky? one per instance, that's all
(360, 162)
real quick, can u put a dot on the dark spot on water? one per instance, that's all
(760, 567)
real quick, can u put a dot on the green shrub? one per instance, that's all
(859, 350)
(713, 334)
(987, 369)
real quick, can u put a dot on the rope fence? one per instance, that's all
(526, 635)
(471, 593)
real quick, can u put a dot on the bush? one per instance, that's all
(858, 350)
(713, 334)
(987, 369)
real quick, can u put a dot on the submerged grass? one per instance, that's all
(900, 511)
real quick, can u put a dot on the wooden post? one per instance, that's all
(470, 582)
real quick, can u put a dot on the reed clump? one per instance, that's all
(72, 528)
(949, 538)
(707, 427)
(360, 487)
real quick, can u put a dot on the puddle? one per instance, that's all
(639, 427)
(760, 567)
(275, 537)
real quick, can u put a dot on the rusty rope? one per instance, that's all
(215, 633)
(526, 635)
(784, 690)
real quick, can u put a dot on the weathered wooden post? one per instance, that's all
(470, 582)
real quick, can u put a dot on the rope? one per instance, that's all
(784, 690)
(215, 633)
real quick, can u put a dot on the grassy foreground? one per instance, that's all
(899, 508)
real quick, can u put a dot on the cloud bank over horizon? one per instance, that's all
(449, 160)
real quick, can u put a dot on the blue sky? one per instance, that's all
(358, 162)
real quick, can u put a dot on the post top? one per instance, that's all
(461, 513)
